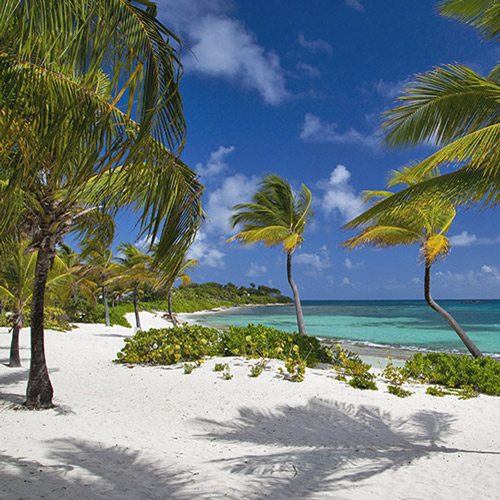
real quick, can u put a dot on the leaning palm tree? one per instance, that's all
(458, 110)
(424, 223)
(277, 216)
(134, 267)
(91, 120)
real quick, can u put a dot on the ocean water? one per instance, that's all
(391, 323)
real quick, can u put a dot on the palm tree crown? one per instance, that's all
(276, 216)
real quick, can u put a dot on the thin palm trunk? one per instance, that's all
(170, 313)
(15, 360)
(447, 316)
(296, 299)
(136, 308)
(106, 308)
(39, 391)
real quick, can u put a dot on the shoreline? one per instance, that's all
(372, 354)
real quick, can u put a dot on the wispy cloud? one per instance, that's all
(307, 71)
(216, 163)
(224, 47)
(206, 252)
(319, 261)
(314, 129)
(256, 270)
(315, 45)
(355, 4)
(351, 265)
(339, 195)
(463, 239)
(390, 90)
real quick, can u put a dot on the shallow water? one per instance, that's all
(399, 323)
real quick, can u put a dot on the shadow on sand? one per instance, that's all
(323, 446)
(87, 470)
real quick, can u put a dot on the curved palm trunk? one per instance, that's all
(136, 308)
(447, 316)
(106, 308)
(39, 391)
(170, 313)
(296, 299)
(15, 360)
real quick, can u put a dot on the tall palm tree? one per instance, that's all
(458, 110)
(424, 223)
(91, 121)
(277, 216)
(135, 269)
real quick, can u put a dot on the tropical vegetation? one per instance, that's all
(276, 217)
(425, 223)
(92, 121)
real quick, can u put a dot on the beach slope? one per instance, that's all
(135, 432)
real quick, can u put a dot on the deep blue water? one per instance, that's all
(402, 323)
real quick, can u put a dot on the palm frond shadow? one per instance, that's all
(323, 445)
(85, 469)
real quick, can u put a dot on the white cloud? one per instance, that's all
(315, 45)
(390, 90)
(235, 189)
(206, 252)
(350, 265)
(416, 281)
(307, 71)
(355, 4)
(224, 47)
(216, 163)
(489, 269)
(346, 281)
(316, 130)
(339, 194)
(315, 260)
(255, 270)
(463, 239)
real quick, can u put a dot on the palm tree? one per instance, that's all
(135, 269)
(458, 110)
(277, 216)
(91, 121)
(425, 223)
(16, 286)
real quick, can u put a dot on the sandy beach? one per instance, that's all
(133, 433)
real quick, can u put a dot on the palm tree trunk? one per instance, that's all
(106, 308)
(296, 299)
(39, 391)
(136, 308)
(447, 316)
(172, 319)
(15, 360)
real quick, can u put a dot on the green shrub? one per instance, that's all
(364, 381)
(220, 367)
(479, 374)
(171, 345)
(266, 342)
(398, 391)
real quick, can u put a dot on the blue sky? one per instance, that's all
(297, 88)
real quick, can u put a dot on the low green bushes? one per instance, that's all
(480, 374)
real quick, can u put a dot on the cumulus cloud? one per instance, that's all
(314, 129)
(255, 270)
(224, 47)
(339, 194)
(355, 4)
(216, 163)
(235, 189)
(206, 252)
(315, 45)
(346, 281)
(463, 239)
(350, 265)
(319, 261)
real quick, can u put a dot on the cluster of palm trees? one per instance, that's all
(76, 279)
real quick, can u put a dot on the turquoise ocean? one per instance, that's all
(408, 324)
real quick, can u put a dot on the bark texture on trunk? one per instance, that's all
(106, 308)
(15, 360)
(136, 308)
(448, 317)
(170, 313)
(296, 299)
(39, 391)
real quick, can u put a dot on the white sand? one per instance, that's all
(134, 433)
